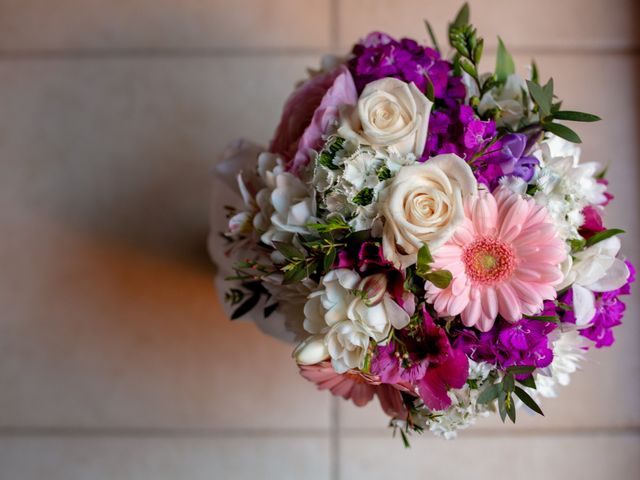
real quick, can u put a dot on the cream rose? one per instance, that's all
(389, 113)
(424, 204)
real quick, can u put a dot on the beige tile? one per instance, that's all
(606, 86)
(109, 317)
(80, 24)
(587, 457)
(545, 23)
(133, 458)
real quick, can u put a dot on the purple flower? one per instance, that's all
(380, 55)
(609, 312)
(507, 344)
(508, 152)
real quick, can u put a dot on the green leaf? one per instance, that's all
(424, 260)
(511, 407)
(548, 90)
(440, 278)
(428, 91)
(535, 76)
(490, 393)
(432, 36)
(269, 309)
(462, 18)
(539, 96)
(504, 63)
(543, 318)
(329, 258)
(577, 244)
(289, 251)
(575, 116)
(528, 401)
(528, 382)
(600, 236)
(562, 131)
(364, 197)
(501, 405)
(521, 369)
(508, 383)
(246, 306)
(295, 274)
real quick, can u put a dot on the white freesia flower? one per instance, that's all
(424, 204)
(378, 319)
(568, 351)
(345, 310)
(508, 100)
(347, 343)
(328, 306)
(312, 350)
(389, 113)
(595, 269)
(566, 186)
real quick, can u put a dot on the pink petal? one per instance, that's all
(508, 303)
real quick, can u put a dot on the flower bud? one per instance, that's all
(373, 288)
(311, 351)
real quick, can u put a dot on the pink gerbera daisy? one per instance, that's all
(504, 259)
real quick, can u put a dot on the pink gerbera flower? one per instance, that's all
(504, 259)
(356, 386)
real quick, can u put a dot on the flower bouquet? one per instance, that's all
(424, 232)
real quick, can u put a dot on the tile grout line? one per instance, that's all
(334, 438)
(137, 53)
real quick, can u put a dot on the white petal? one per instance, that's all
(583, 305)
(615, 277)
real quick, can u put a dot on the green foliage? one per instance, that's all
(600, 236)
(503, 392)
(504, 63)
(364, 197)
(383, 173)
(326, 156)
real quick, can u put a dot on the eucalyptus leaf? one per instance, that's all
(489, 394)
(462, 18)
(289, 251)
(528, 401)
(521, 369)
(432, 35)
(246, 306)
(576, 116)
(508, 383)
(563, 132)
(528, 382)
(539, 96)
(504, 63)
(511, 407)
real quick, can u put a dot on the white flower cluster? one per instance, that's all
(566, 186)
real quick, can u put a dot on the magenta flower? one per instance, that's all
(425, 360)
(309, 113)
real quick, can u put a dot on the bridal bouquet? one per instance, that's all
(424, 232)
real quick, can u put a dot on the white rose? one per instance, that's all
(389, 113)
(347, 343)
(424, 204)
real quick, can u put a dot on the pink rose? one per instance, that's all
(309, 113)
